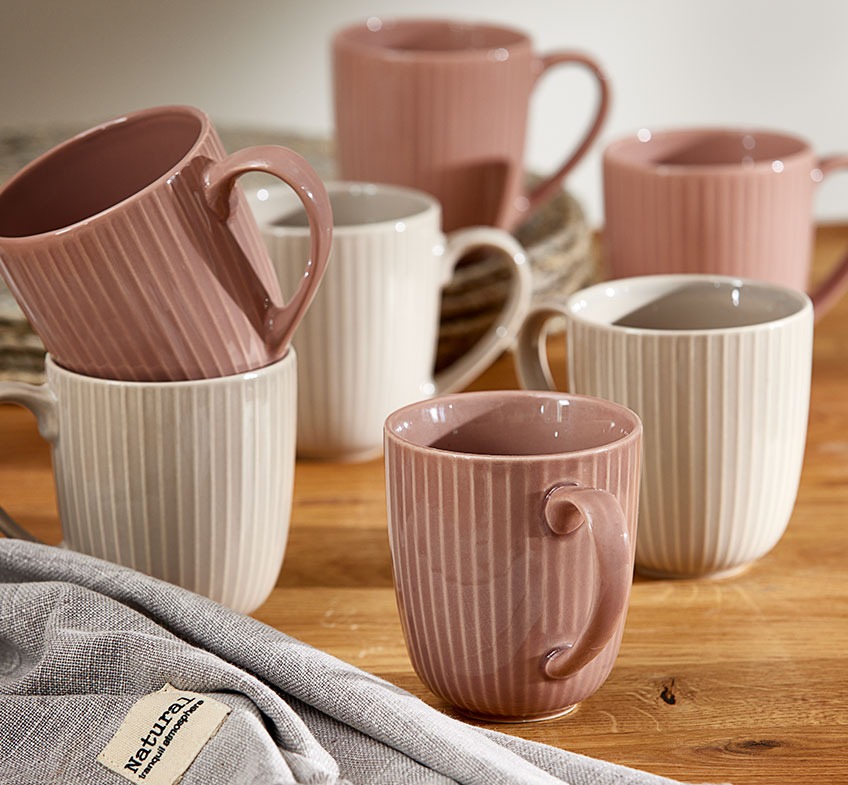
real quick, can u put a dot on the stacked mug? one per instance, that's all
(171, 383)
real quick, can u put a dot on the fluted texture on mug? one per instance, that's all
(752, 223)
(160, 289)
(191, 483)
(367, 345)
(485, 590)
(725, 419)
(454, 128)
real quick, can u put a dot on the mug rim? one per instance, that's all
(103, 128)
(349, 38)
(621, 442)
(804, 306)
(53, 367)
(617, 151)
(430, 207)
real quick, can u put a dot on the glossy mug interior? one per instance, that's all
(718, 369)
(134, 256)
(368, 344)
(190, 481)
(512, 519)
(716, 200)
(442, 105)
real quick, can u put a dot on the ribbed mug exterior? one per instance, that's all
(190, 481)
(725, 417)
(442, 105)
(133, 254)
(368, 344)
(487, 593)
(724, 412)
(721, 201)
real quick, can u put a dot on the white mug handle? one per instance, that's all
(501, 333)
(531, 356)
(39, 399)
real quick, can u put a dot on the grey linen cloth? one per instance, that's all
(82, 639)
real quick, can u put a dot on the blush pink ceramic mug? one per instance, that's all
(442, 106)
(722, 201)
(512, 523)
(134, 255)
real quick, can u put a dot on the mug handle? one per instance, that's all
(831, 288)
(531, 356)
(548, 187)
(39, 399)
(292, 169)
(566, 508)
(500, 334)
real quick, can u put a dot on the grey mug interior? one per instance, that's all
(676, 303)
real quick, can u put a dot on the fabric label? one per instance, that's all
(162, 735)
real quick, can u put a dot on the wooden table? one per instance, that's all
(742, 680)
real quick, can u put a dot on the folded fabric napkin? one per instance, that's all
(82, 640)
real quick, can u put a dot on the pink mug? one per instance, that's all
(134, 255)
(512, 525)
(722, 201)
(442, 106)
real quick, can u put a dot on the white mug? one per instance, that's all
(367, 346)
(718, 369)
(189, 481)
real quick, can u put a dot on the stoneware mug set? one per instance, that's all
(181, 382)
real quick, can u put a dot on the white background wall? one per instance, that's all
(772, 63)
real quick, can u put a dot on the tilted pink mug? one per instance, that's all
(724, 201)
(134, 255)
(442, 106)
(512, 525)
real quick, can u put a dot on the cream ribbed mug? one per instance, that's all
(718, 369)
(190, 481)
(368, 344)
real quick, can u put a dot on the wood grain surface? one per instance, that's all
(742, 680)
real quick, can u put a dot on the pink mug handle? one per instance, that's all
(567, 508)
(219, 179)
(831, 289)
(548, 187)
(500, 333)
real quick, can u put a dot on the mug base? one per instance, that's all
(730, 572)
(505, 718)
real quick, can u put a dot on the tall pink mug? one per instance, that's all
(724, 201)
(442, 106)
